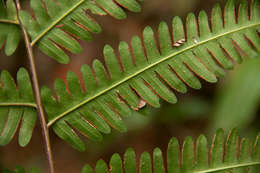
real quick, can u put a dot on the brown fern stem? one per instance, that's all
(37, 95)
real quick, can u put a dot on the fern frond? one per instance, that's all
(145, 74)
(10, 34)
(58, 23)
(231, 155)
(16, 106)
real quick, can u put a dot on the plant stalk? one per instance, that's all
(36, 89)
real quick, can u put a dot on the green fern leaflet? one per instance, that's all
(16, 105)
(58, 23)
(145, 73)
(221, 155)
(10, 34)
(195, 157)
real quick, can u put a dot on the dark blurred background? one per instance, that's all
(232, 102)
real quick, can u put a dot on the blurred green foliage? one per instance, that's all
(238, 100)
(20, 169)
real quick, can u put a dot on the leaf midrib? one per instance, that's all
(54, 23)
(222, 168)
(51, 122)
(7, 104)
(8, 21)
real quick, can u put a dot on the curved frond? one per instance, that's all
(10, 34)
(144, 73)
(58, 23)
(17, 106)
(227, 155)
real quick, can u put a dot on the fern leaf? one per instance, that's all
(10, 34)
(142, 77)
(58, 23)
(16, 106)
(194, 157)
